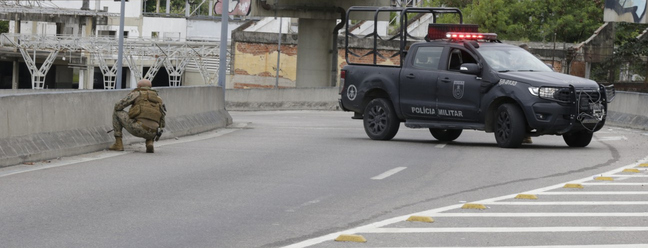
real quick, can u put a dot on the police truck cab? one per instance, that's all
(461, 79)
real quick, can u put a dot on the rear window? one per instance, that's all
(428, 57)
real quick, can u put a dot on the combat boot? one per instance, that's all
(118, 146)
(149, 146)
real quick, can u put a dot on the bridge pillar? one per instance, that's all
(314, 52)
(14, 75)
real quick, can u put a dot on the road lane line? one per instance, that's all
(437, 211)
(65, 161)
(543, 246)
(440, 145)
(388, 173)
(528, 215)
(577, 203)
(509, 229)
(628, 176)
(612, 138)
(595, 193)
(615, 184)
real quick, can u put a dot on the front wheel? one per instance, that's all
(380, 120)
(445, 134)
(578, 139)
(510, 126)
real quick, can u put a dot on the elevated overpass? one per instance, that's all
(317, 45)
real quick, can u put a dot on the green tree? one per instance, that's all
(534, 20)
(629, 53)
(4, 27)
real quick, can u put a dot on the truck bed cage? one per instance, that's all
(402, 34)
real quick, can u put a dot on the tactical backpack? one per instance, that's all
(147, 106)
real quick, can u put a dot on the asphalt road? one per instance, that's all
(302, 178)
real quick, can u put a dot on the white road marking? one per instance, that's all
(440, 145)
(18, 169)
(595, 193)
(508, 229)
(545, 246)
(566, 203)
(612, 138)
(438, 212)
(614, 184)
(388, 173)
(66, 161)
(529, 215)
(627, 176)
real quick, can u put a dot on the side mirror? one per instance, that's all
(470, 68)
(550, 66)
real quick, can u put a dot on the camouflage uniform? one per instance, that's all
(133, 126)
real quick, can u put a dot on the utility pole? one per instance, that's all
(278, 53)
(120, 54)
(222, 73)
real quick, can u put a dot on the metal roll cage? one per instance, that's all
(402, 32)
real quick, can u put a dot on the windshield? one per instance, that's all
(505, 59)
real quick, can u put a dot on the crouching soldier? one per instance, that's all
(144, 119)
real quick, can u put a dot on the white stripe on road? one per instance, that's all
(596, 193)
(525, 215)
(388, 173)
(571, 203)
(509, 229)
(440, 145)
(627, 176)
(438, 212)
(65, 161)
(615, 184)
(612, 138)
(543, 246)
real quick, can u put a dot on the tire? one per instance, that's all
(578, 139)
(510, 126)
(445, 134)
(380, 120)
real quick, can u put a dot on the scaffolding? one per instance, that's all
(138, 52)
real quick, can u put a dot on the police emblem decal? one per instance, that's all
(352, 92)
(458, 89)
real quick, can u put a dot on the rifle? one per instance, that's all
(159, 133)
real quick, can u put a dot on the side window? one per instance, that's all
(458, 57)
(428, 57)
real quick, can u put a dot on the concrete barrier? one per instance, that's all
(629, 109)
(282, 99)
(43, 125)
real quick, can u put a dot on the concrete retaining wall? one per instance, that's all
(44, 125)
(283, 99)
(629, 109)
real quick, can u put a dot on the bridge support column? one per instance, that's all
(314, 52)
(14, 75)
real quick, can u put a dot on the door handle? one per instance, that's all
(445, 80)
(410, 76)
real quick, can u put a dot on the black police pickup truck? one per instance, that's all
(463, 79)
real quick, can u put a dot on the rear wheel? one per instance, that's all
(510, 126)
(445, 134)
(380, 120)
(578, 139)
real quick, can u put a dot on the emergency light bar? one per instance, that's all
(457, 32)
(471, 36)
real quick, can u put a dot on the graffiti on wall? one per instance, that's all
(235, 7)
(633, 11)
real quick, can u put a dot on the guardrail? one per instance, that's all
(629, 110)
(46, 124)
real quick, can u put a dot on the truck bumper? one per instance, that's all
(583, 113)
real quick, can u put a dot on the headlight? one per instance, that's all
(544, 92)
